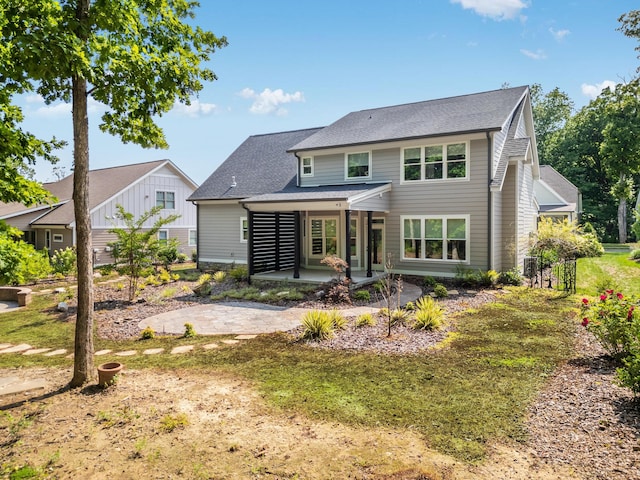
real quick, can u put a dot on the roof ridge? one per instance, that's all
(439, 99)
(286, 131)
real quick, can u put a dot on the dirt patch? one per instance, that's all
(223, 430)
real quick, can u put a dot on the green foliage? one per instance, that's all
(219, 276)
(164, 276)
(182, 258)
(64, 261)
(440, 291)
(614, 320)
(189, 331)
(365, 320)
(317, 325)
(147, 334)
(635, 254)
(410, 306)
(635, 228)
(136, 245)
(362, 296)
(510, 277)
(428, 314)
(399, 316)
(20, 262)
(429, 281)
(338, 320)
(240, 273)
(167, 252)
(169, 423)
(550, 113)
(204, 278)
(557, 241)
(629, 374)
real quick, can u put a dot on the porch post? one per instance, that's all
(369, 241)
(347, 216)
(297, 244)
(250, 243)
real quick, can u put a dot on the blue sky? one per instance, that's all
(292, 65)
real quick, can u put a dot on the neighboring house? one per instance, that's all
(557, 197)
(437, 186)
(138, 188)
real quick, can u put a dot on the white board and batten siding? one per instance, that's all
(220, 233)
(527, 211)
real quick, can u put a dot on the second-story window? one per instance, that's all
(307, 166)
(166, 200)
(435, 162)
(358, 165)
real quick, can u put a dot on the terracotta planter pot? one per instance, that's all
(107, 372)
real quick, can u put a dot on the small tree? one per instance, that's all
(389, 285)
(168, 253)
(137, 245)
(339, 291)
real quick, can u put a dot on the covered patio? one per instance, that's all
(289, 232)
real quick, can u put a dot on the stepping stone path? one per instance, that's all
(153, 351)
(182, 349)
(13, 385)
(99, 353)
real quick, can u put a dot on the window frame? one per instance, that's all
(164, 201)
(323, 236)
(244, 229)
(355, 238)
(311, 167)
(445, 239)
(369, 165)
(445, 163)
(195, 240)
(163, 241)
(57, 238)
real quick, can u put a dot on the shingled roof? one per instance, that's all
(477, 112)
(260, 165)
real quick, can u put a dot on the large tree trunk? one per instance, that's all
(83, 367)
(622, 220)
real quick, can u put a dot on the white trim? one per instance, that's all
(189, 244)
(222, 260)
(165, 230)
(445, 218)
(242, 230)
(444, 163)
(47, 238)
(57, 238)
(311, 165)
(346, 165)
(357, 238)
(324, 245)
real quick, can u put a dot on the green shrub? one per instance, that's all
(440, 291)
(629, 374)
(428, 315)
(384, 312)
(362, 295)
(562, 240)
(147, 334)
(510, 277)
(20, 262)
(219, 276)
(379, 286)
(317, 324)
(410, 306)
(164, 276)
(635, 254)
(337, 319)
(194, 255)
(182, 258)
(204, 278)
(429, 281)
(64, 261)
(399, 316)
(189, 331)
(239, 273)
(365, 320)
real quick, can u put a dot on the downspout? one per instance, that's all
(298, 167)
(489, 205)
(197, 234)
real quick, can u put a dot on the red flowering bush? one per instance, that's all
(613, 320)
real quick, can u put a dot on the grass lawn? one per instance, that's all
(473, 390)
(612, 270)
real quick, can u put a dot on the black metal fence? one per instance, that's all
(542, 273)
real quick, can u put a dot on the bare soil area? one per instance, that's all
(186, 424)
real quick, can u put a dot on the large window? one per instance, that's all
(358, 165)
(435, 238)
(307, 166)
(324, 236)
(435, 162)
(166, 200)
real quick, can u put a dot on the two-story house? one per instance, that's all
(433, 186)
(137, 187)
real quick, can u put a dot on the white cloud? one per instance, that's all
(196, 109)
(495, 9)
(59, 109)
(269, 101)
(537, 55)
(559, 34)
(592, 91)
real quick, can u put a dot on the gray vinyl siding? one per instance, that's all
(509, 224)
(498, 244)
(450, 198)
(219, 235)
(330, 169)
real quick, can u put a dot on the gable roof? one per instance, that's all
(261, 164)
(104, 184)
(559, 184)
(479, 112)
